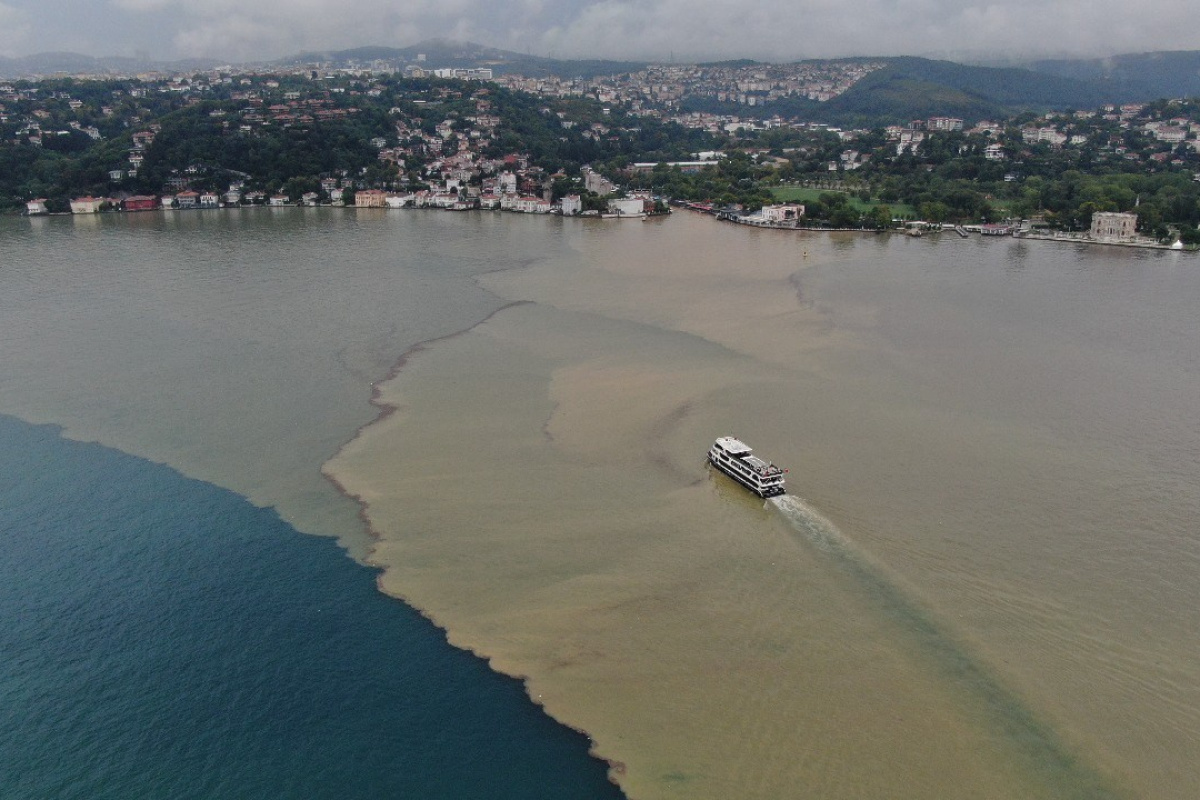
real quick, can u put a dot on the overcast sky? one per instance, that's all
(657, 30)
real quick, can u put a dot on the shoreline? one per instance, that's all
(1039, 237)
(721, 217)
(615, 767)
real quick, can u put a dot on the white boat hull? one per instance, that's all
(734, 458)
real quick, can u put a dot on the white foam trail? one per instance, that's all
(1037, 741)
(806, 519)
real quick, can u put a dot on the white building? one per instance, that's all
(944, 124)
(1113, 226)
(464, 73)
(909, 140)
(532, 205)
(1170, 134)
(1045, 134)
(570, 205)
(370, 198)
(398, 200)
(595, 182)
(527, 204)
(508, 182)
(85, 205)
(789, 212)
(630, 207)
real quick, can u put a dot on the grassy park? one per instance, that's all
(801, 194)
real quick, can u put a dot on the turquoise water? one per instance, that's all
(162, 637)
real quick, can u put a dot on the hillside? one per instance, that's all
(906, 88)
(1008, 88)
(916, 88)
(910, 88)
(1133, 77)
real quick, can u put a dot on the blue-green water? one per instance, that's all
(161, 637)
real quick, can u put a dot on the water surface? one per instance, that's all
(1001, 437)
(164, 638)
(989, 587)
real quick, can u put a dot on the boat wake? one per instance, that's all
(1036, 742)
(807, 520)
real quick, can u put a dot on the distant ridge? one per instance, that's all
(43, 65)
(1134, 76)
(916, 88)
(906, 88)
(909, 88)
(450, 53)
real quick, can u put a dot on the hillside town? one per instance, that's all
(451, 159)
(607, 146)
(663, 87)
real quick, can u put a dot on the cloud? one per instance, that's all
(235, 29)
(830, 28)
(143, 5)
(635, 29)
(14, 29)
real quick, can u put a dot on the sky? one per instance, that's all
(651, 30)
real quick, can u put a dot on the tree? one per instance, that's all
(845, 216)
(880, 217)
(934, 211)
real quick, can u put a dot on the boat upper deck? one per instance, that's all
(763, 467)
(735, 447)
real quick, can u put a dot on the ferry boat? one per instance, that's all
(737, 460)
